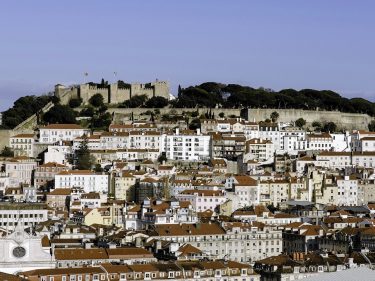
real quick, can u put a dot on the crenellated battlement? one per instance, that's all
(112, 94)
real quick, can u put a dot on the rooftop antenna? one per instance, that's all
(115, 75)
(84, 77)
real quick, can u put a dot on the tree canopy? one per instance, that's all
(300, 122)
(7, 152)
(371, 126)
(83, 156)
(75, 102)
(156, 102)
(96, 100)
(133, 102)
(61, 114)
(23, 108)
(210, 94)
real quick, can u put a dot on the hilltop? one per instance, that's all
(205, 95)
(211, 94)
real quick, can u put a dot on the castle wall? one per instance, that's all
(344, 120)
(87, 91)
(113, 94)
(4, 138)
(118, 95)
(349, 121)
(65, 93)
(161, 89)
(140, 89)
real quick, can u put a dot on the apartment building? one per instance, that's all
(45, 173)
(364, 159)
(270, 131)
(319, 142)
(88, 180)
(203, 200)
(245, 191)
(260, 150)
(347, 188)
(27, 214)
(187, 145)
(227, 146)
(20, 169)
(22, 145)
(61, 132)
(122, 184)
(335, 159)
(357, 144)
(156, 271)
(241, 242)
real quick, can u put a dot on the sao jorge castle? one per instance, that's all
(112, 93)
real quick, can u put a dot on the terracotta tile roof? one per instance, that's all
(52, 164)
(45, 241)
(76, 172)
(203, 192)
(188, 249)
(60, 191)
(131, 252)
(63, 126)
(188, 229)
(81, 254)
(23, 136)
(245, 181)
(322, 135)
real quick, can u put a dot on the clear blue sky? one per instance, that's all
(276, 44)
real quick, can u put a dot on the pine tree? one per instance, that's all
(84, 160)
(179, 91)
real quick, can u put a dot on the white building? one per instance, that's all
(88, 180)
(270, 131)
(367, 144)
(245, 191)
(61, 132)
(347, 189)
(335, 160)
(59, 153)
(27, 214)
(187, 145)
(137, 154)
(242, 242)
(203, 200)
(319, 142)
(20, 169)
(341, 142)
(22, 145)
(260, 150)
(364, 159)
(356, 139)
(145, 140)
(292, 140)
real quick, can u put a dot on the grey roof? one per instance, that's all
(299, 203)
(356, 209)
(359, 273)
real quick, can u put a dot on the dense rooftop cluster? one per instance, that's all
(154, 200)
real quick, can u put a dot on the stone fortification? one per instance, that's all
(113, 93)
